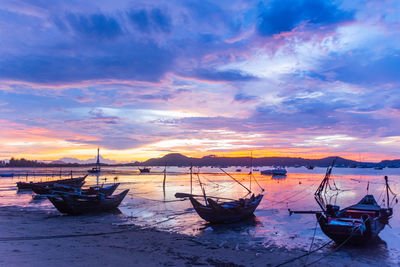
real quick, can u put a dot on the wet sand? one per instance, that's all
(33, 237)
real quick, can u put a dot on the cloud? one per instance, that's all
(284, 15)
(150, 20)
(242, 97)
(98, 26)
(222, 75)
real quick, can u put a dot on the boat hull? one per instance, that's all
(358, 232)
(218, 214)
(81, 204)
(71, 181)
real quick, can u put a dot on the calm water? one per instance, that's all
(272, 226)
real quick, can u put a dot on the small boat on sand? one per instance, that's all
(70, 181)
(59, 188)
(76, 204)
(226, 211)
(357, 224)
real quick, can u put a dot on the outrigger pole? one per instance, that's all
(323, 187)
(235, 180)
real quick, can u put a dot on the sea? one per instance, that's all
(150, 204)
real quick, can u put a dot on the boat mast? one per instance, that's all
(387, 191)
(322, 187)
(191, 178)
(98, 159)
(251, 168)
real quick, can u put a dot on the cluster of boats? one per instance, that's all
(68, 196)
(358, 223)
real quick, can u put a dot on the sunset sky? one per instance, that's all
(141, 79)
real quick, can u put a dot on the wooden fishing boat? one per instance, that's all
(47, 190)
(225, 211)
(69, 181)
(75, 204)
(356, 224)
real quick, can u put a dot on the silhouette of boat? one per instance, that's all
(96, 169)
(225, 211)
(356, 224)
(276, 171)
(71, 181)
(75, 204)
(144, 170)
(58, 188)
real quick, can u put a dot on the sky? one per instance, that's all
(141, 79)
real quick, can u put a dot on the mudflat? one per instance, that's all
(33, 237)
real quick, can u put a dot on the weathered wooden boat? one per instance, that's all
(225, 211)
(96, 169)
(144, 170)
(76, 204)
(92, 190)
(69, 181)
(357, 224)
(46, 189)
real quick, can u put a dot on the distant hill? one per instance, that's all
(176, 159)
(88, 161)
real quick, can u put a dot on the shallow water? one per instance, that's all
(271, 227)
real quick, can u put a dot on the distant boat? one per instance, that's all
(144, 170)
(238, 170)
(96, 169)
(276, 171)
(76, 204)
(310, 167)
(7, 175)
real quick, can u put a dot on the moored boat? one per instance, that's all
(59, 189)
(226, 211)
(356, 224)
(69, 181)
(96, 169)
(144, 170)
(276, 171)
(75, 204)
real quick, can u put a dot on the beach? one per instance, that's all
(31, 237)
